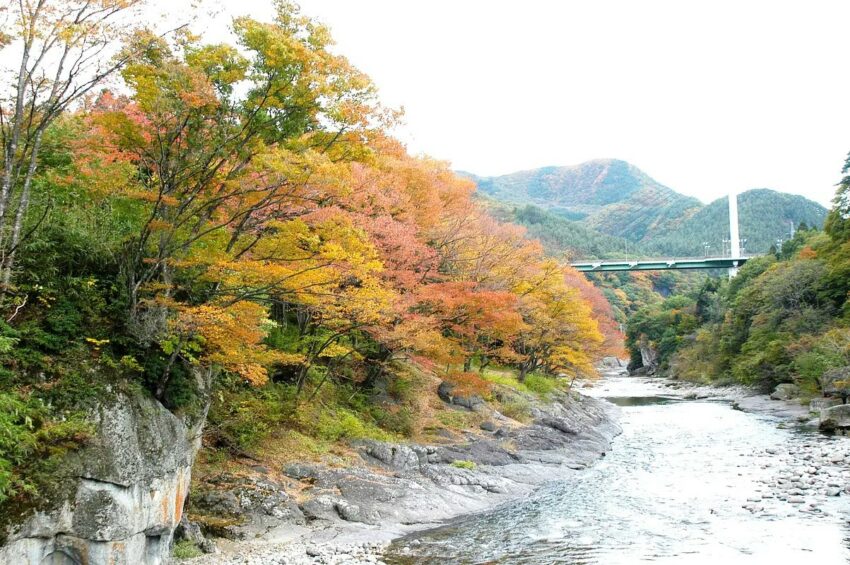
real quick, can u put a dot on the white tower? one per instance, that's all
(734, 236)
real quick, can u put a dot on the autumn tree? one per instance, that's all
(562, 334)
(61, 50)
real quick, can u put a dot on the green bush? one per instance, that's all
(241, 417)
(399, 419)
(32, 445)
(185, 549)
(334, 425)
(540, 384)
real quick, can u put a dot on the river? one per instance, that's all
(688, 482)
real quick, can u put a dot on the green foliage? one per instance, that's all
(185, 549)
(540, 384)
(838, 221)
(32, 444)
(515, 407)
(334, 425)
(662, 327)
(607, 208)
(781, 319)
(463, 464)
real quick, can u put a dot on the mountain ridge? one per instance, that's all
(615, 198)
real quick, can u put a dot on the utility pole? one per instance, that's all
(734, 235)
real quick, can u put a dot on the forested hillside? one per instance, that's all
(608, 195)
(764, 216)
(608, 201)
(783, 319)
(626, 292)
(233, 224)
(563, 237)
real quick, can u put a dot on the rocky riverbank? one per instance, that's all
(315, 513)
(806, 472)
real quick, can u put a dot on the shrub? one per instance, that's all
(457, 419)
(32, 445)
(185, 549)
(469, 384)
(516, 408)
(395, 419)
(540, 384)
(333, 425)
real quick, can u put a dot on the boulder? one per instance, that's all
(612, 363)
(785, 391)
(237, 507)
(836, 382)
(191, 531)
(819, 404)
(446, 393)
(488, 426)
(835, 418)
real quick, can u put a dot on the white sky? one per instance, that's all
(704, 96)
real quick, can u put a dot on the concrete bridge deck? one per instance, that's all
(672, 264)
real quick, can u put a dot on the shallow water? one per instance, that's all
(670, 491)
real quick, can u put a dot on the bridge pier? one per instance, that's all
(734, 235)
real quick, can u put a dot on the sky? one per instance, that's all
(706, 97)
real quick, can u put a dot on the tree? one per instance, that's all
(838, 220)
(562, 334)
(62, 54)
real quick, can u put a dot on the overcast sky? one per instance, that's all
(705, 97)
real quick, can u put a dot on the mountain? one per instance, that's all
(607, 195)
(617, 202)
(763, 216)
(561, 236)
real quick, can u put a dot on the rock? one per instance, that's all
(835, 418)
(834, 381)
(398, 457)
(832, 491)
(191, 531)
(785, 391)
(488, 426)
(819, 404)
(648, 355)
(128, 495)
(612, 363)
(446, 393)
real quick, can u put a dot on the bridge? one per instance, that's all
(659, 264)
(736, 257)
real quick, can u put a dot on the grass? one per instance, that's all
(506, 378)
(516, 407)
(462, 464)
(534, 383)
(458, 419)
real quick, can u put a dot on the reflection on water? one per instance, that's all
(671, 491)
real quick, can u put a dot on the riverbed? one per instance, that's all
(688, 481)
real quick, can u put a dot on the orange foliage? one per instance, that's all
(468, 384)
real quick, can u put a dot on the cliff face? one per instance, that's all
(128, 495)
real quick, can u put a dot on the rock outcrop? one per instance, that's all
(401, 485)
(785, 391)
(648, 356)
(127, 496)
(835, 418)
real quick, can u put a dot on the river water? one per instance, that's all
(688, 482)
